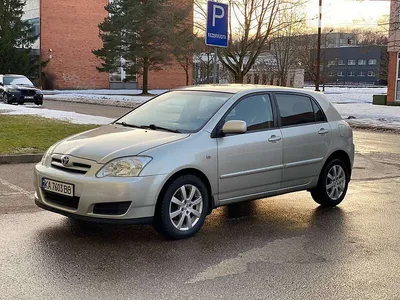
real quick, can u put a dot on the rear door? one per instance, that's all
(250, 163)
(306, 137)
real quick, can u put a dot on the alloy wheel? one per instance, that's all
(335, 182)
(186, 207)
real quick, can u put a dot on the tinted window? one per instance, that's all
(295, 109)
(255, 110)
(319, 114)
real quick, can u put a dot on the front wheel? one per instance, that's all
(39, 102)
(332, 185)
(6, 99)
(182, 208)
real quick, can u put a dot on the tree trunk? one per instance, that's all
(145, 88)
(239, 78)
(187, 71)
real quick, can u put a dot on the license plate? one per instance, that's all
(58, 187)
(29, 97)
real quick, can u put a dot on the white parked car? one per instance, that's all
(182, 154)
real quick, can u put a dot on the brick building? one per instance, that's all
(394, 53)
(68, 34)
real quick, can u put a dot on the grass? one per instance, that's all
(27, 134)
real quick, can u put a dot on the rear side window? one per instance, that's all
(295, 109)
(255, 110)
(319, 114)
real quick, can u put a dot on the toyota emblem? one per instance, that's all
(65, 160)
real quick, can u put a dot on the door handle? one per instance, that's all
(323, 131)
(274, 139)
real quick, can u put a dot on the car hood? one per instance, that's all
(109, 142)
(21, 87)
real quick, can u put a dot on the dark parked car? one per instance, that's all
(19, 89)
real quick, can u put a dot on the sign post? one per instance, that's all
(217, 29)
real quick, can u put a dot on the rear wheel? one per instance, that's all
(182, 208)
(332, 185)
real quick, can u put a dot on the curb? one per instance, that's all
(117, 103)
(20, 159)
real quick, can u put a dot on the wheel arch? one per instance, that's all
(189, 171)
(343, 156)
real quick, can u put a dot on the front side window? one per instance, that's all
(17, 80)
(255, 110)
(181, 111)
(295, 109)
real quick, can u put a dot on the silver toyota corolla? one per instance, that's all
(175, 158)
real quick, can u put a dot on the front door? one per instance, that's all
(250, 163)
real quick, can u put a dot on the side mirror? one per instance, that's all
(234, 127)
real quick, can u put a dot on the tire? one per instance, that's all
(40, 102)
(6, 99)
(331, 189)
(188, 212)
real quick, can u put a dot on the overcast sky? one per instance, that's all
(342, 13)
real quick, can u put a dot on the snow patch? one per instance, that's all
(72, 117)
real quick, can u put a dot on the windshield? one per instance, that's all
(180, 111)
(17, 81)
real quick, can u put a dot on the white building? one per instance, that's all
(32, 15)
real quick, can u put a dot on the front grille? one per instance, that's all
(74, 167)
(70, 202)
(28, 92)
(112, 208)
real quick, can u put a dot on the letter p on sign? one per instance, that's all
(217, 8)
(217, 24)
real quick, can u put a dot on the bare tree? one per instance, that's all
(283, 44)
(251, 24)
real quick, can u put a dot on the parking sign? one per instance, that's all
(217, 24)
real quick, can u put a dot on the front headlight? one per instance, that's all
(13, 91)
(124, 167)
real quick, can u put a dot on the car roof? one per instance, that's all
(12, 75)
(249, 88)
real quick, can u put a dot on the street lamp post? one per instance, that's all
(324, 59)
(319, 47)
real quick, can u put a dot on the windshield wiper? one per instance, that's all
(128, 125)
(155, 127)
(151, 127)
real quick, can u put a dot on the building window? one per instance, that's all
(371, 74)
(332, 74)
(351, 74)
(341, 62)
(351, 62)
(331, 63)
(340, 74)
(362, 62)
(362, 73)
(36, 26)
(372, 62)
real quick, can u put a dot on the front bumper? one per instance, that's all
(142, 192)
(19, 98)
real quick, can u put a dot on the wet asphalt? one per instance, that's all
(283, 247)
